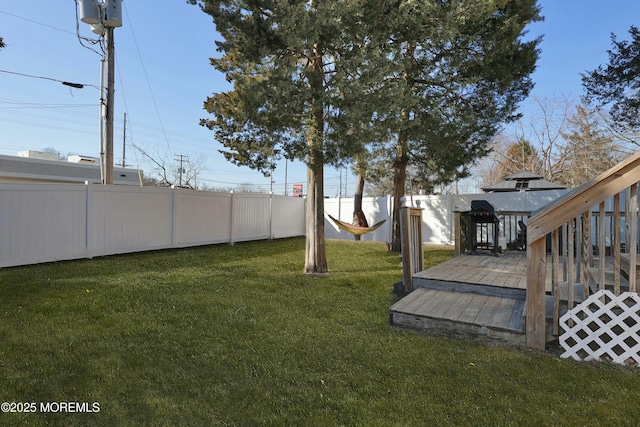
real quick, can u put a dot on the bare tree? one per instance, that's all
(558, 138)
(589, 148)
(191, 171)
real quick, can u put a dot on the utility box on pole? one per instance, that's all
(90, 12)
(113, 13)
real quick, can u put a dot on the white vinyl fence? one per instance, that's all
(51, 222)
(438, 213)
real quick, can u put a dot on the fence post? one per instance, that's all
(173, 216)
(271, 215)
(231, 242)
(411, 242)
(89, 219)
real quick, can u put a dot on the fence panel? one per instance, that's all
(250, 218)
(42, 223)
(129, 219)
(201, 217)
(288, 217)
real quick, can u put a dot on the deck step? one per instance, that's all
(462, 313)
(446, 285)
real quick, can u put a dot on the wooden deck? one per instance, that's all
(509, 270)
(469, 295)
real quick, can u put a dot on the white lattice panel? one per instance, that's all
(603, 327)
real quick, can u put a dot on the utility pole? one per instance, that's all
(124, 141)
(108, 169)
(104, 16)
(286, 173)
(271, 181)
(103, 107)
(181, 158)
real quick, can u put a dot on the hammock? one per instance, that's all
(355, 229)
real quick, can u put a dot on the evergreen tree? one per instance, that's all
(456, 71)
(303, 88)
(618, 85)
(320, 80)
(520, 156)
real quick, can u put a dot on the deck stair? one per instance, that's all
(462, 313)
(478, 297)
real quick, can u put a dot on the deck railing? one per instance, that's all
(512, 232)
(590, 237)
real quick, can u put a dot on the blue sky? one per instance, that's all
(163, 76)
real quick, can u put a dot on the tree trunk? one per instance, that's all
(401, 160)
(399, 182)
(358, 215)
(315, 253)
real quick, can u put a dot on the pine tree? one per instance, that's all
(520, 156)
(618, 85)
(303, 88)
(456, 71)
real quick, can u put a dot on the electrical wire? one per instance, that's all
(146, 76)
(82, 39)
(70, 84)
(36, 22)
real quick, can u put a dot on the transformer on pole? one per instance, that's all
(103, 16)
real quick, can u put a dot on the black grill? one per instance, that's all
(482, 212)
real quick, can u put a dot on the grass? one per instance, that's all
(238, 336)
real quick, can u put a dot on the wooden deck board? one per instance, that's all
(470, 313)
(405, 302)
(417, 303)
(440, 308)
(517, 317)
(508, 270)
(460, 306)
(502, 314)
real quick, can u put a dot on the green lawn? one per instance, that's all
(239, 336)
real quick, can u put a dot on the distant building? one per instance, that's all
(35, 154)
(40, 166)
(523, 181)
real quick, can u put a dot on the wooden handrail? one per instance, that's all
(577, 206)
(584, 197)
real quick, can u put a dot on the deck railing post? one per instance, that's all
(457, 229)
(411, 241)
(616, 243)
(535, 303)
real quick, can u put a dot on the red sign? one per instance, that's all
(297, 190)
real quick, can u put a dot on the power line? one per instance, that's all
(70, 84)
(146, 76)
(36, 22)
